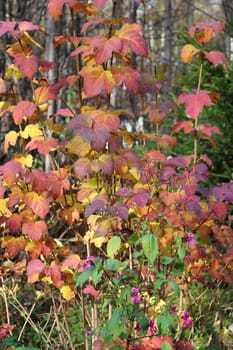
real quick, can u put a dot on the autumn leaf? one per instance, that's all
(34, 268)
(216, 57)
(34, 230)
(105, 120)
(31, 130)
(104, 163)
(82, 167)
(54, 272)
(194, 103)
(188, 52)
(130, 34)
(127, 75)
(186, 125)
(78, 146)
(88, 24)
(67, 292)
(55, 7)
(73, 261)
(203, 31)
(208, 129)
(13, 245)
(23, 109)
(14, 222)
(104, 48)
(11, 171)
(28, 64)
(8, 27)
(43, 146)
(38, 203)
(10, 139)
(97, 80)
(89, 289)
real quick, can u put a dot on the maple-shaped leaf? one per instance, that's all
(35, 229)
(57, 182)
(28, 64)
(156, 155)
(104, 163)
(31, 130)
(55, 7)
(105, 120)
(23, 109)
(89, 289)
(97, 80)
(67, 292)
(203, 31)
(13, 245)
(82, 167)
(8, 27)
(43, 146)
(34, 268)
(166, 140)
(127, 75)
(73, 261)
(194, 103)
(71, 214)
(208, 129)
(11, 171)
(188, 52)
(104, 48)
(131, 36)
(54, 271)
(36, 248)
(38, 203)
(186, 125)
(216, 57)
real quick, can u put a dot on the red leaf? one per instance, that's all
(14, 222)
(97, 80)
(204, 30)
(88, 24)
(38, 203)
(89, 289)
(28, 64)
(55, 7)
(99, 3)
(96, 205)
(35, 229)
(156, 155)
(208, 129)
(43, 146)
(34, 268)
(130, 34)
(82, 167)
(104, 48)
(27, 26)
(57, 182)
(8, 27)
(105, 120)
(23, 108)
(216, 57)
(104, 163)
(127, 75)
(186, 125)
(54, 271)
(194, 103)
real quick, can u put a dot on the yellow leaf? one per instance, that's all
(67, 292)
(3, 206)
(78, 146)
(98, 242)
(135, 172)
(187, 53)
(31, 130)
(25, 160)
(13, 70)
(10, 139)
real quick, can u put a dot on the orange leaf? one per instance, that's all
(38, 203)
(72, 261)
(55, 7)
(43, 146)
(130, 34)
(97, 80)
(13, 245)
(67, 292)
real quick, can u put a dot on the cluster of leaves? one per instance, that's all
(141, 229)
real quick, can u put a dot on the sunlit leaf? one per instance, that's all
(23, 109)
(194, 103)
(10, 139)
(131, 36)
(34, 268)
(38, 203)
(35, 229)
(67, 292)
(113, 246)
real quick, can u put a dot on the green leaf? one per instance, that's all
(164, 322)
(166, 346)
(158, 283)
(84, 276)
(150, 247)
(115, 265)
(174, 286)
(181, 253)
(113, 246)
